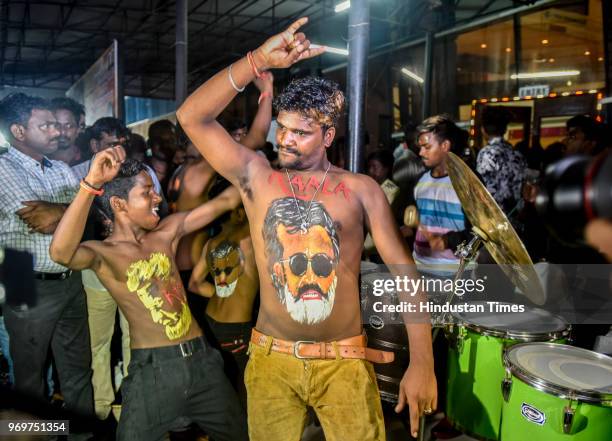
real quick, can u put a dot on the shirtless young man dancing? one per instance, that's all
(307, 224)
(174, 378)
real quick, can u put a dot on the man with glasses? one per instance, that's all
(33, 197)
(307, 222)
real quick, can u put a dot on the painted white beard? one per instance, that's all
(226, 291)
(310, 311)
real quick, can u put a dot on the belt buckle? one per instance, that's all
(296, 347)
(186, 349)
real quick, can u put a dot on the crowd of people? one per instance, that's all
(187, 240)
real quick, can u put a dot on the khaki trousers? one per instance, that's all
(102, 311)
(342, 392)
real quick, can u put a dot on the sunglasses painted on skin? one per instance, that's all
(321, 264)
(227, 270)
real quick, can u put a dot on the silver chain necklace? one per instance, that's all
(306, 223)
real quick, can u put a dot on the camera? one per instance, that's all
(576, 190)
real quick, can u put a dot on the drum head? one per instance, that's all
(561, 367)
(532, 321)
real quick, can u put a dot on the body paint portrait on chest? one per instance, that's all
(226, 263)
(302, 258)
(161, 293)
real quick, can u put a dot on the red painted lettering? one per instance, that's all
(344, 189)
(297, 181)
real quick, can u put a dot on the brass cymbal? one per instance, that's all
(498, 235)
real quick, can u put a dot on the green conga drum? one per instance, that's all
(556, 393)
(475, 365)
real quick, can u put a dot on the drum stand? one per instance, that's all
(467, 252)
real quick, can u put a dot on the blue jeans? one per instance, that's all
(4, 347)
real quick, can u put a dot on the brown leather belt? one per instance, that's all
(352, 347)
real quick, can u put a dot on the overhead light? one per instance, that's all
(551, 60)
(412, 75)
(508, 49)
(549, 74)
(331, 50)
(600, 59)
(587, 53)
(342, 6)
(483, 45)
(545, 41)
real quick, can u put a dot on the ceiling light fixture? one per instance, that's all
(331, 50)
(342, 6)
(412, 75)
(549, 74)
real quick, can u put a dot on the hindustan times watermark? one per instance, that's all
(458, 308)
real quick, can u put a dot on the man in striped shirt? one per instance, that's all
(443, 224)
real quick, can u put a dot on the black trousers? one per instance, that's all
(233, 341)
(168, 388)
(58, 321)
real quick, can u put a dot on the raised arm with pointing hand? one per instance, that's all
(198, 113)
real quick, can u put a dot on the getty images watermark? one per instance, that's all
(441, 289)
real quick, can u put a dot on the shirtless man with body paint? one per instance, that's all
(174, 377)
(229, 259)
(307, 226)
(189, 185)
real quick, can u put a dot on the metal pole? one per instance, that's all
(427, 86)
(119, 109)
(180, 48)
(357, 81)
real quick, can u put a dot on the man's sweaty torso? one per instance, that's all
(308, 267)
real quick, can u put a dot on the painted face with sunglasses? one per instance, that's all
(226, 268)
(308, 272)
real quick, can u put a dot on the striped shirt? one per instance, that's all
(439, 212)
(23, 178)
